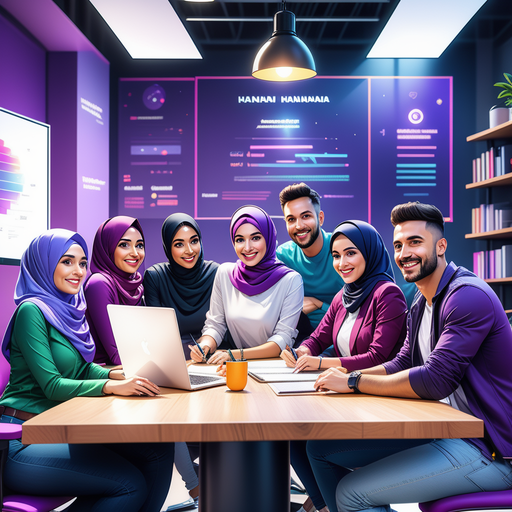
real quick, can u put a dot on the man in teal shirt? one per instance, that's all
(308, 252)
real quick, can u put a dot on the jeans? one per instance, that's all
(301, 465)
(401, 471)
(104, 477)
(185, 466)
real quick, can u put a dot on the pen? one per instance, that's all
(294, 353)
(231, 355)
(200, 348)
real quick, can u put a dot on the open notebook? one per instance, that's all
(277, 371)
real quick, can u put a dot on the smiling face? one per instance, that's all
(250, 246)
(70, 270)
(302, 222)
(130, 253)
(186, 247)
(416, 250)
(347, 259)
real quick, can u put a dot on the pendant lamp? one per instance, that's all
(284, 57)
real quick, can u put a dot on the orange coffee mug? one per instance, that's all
(236, 375)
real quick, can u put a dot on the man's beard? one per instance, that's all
(426, 268)
(312, 239)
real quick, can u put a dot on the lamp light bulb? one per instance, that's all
(284, 72)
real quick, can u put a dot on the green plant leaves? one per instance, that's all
(507, 86)
(504, 85)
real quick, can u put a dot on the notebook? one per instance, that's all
(277, 371)
(293, 388)
(149, 344)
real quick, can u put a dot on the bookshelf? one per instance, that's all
(498, 181)
(491, 235)
(501, 132)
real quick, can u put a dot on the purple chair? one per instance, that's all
(474, 501)
(17, 503)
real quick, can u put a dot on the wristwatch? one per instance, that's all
(353, 380)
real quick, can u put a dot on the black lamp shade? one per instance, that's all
(284, 57)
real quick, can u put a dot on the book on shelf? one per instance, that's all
(493, 264)
(492, 163)
(491, 217)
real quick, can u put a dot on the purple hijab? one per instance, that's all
(258, 279)
(128, 287)
(65, 312)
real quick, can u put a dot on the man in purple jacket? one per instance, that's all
(458, 349)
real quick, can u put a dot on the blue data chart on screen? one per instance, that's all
(254, 138)
(156, 147)
(411, 142)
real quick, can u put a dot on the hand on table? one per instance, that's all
(219, 357)
(221, 370)
(135, 386)
(288, 358)
(307, 363)
(333, 380)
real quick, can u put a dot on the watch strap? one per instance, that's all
(353, 381)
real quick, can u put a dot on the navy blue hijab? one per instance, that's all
(378, 263)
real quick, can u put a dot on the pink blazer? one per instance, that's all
(378, 333)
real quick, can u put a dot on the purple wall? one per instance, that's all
(23, 72)
(78, 112)
(92, 104)
(62, 117)
(22, 90)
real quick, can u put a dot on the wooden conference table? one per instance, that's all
(238, 475)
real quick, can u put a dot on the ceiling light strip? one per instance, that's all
(423, 29)
(148, 29)
(302, 20)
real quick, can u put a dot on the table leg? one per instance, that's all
(250, 476)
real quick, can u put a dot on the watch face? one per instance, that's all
(352, 379)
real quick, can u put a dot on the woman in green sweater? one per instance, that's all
(50, 350)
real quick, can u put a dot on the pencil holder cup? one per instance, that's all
(236, 375)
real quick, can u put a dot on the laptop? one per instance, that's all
(149, 344)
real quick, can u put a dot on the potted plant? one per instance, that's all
(498, 114)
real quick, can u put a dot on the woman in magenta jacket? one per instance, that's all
(365, 323)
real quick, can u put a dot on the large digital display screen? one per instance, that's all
(210, 145)
(254, 138)
(24, 183)
(156, 147)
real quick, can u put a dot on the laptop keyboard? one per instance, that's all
(196, 380)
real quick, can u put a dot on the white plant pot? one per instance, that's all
(498, 116)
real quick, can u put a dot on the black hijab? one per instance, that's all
(188, 291)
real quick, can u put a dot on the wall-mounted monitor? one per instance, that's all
(24, 183)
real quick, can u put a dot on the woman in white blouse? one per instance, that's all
(257, 298)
